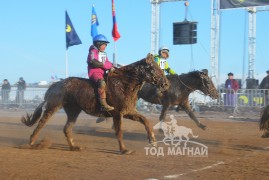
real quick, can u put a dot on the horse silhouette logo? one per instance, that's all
(174, 133)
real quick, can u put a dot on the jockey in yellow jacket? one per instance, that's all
(161, 60)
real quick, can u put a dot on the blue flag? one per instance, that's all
(71, 35)
(94, 23)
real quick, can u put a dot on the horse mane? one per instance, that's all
(195, 73)
(177, 79)
(191, 73)
(132, 69)
(128, 78)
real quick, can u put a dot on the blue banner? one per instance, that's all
(94, 23)
(71, 35)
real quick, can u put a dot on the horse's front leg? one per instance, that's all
(140, 118)
(117, 122)
(163, 113)
(188, 110)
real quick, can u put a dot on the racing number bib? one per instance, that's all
(102, 57)
(162, 63)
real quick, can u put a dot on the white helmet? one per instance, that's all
(164, 49)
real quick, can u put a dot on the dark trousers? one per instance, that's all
(20, 96)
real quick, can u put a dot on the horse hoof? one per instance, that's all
(127, 152)
(25, 146)
(153, 143)
(75, 148)
(203, 127)
(265, 136)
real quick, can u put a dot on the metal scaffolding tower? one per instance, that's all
(215, 43)
(155, 23)
(214, 52)
(252, 38)
(251, 41)
(215, 36)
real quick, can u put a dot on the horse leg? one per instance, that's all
(163, 113)
(117, 122)
(72, 114)
(188, 110)
(145, 122)
(45, 117)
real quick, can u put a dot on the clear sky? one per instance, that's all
(32, 41)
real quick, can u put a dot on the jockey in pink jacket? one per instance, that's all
(97, 65)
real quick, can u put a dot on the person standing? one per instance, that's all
(231, 86)
(5, 91)
(20, 90)
(265, 85)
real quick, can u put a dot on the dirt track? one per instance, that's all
(235, 150)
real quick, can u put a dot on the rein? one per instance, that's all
(186, 85)
(192, 88)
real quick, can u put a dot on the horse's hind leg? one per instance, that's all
(145, 122)
(45, 117)
(72, 114)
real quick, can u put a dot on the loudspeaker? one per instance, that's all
(184, 32)
(252, 83)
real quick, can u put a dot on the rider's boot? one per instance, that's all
(102, 96)
(105, 106)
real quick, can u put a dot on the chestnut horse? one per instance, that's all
(78, 94)
(178, 93)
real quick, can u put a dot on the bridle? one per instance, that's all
(155, 78)
(204, 86)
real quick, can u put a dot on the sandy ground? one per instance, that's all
(235, 150)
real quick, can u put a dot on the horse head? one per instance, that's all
(208, 87)
(152, 73)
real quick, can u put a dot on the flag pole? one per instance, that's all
(71, 39)
(66, 64)
(114, 55)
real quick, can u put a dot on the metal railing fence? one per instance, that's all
(30, 96)
(227, 98)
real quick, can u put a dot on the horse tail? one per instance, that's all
(264, 121)
(31, 119)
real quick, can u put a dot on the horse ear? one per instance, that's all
(149, 58)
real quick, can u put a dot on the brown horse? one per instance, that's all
(264, 122)
(178, 93)
(78, 94)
